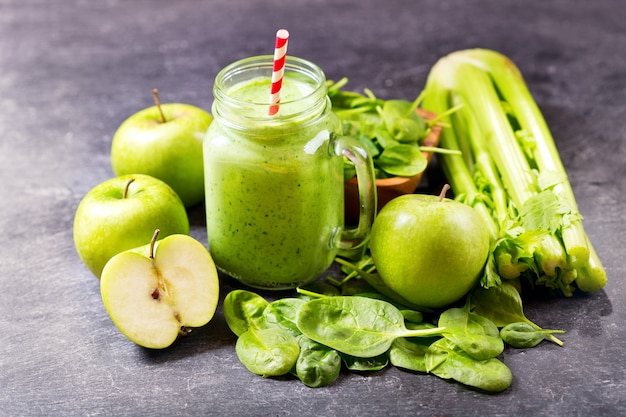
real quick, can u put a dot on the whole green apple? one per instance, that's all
(122, 213)
(164, 141)
(429, 249)
(158, 292)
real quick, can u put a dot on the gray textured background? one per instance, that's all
(71, 71)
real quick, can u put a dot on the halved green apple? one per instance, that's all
(160, 291)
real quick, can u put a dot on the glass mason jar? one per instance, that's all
(274, 183)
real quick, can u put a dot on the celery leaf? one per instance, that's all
(543, 211)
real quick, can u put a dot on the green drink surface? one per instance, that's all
(258, 90)
(274, 203)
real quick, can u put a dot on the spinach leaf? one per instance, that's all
(402, 160)
(381, 126)
(474, 334)
(282, 313)
(357, 326)
(503, 305)
(317, 365)
(243, 310)
(376, 363)
(422, 326)
(448, 361)
(412, 316)
(489, 375)
(436, 355)
(383, 138)
(268, 352)
(401, 120)
(409, 353)
(524, 335)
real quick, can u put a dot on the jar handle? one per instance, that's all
(350, 148)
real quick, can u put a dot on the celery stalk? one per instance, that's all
(591, 276)
(521, 191)
(551, 258)
(454, 167)
(483, 163)
(510, 84)
(476, 89)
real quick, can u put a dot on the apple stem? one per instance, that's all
(130, 181)
(157, 102)
(443, 192)
(152, 242)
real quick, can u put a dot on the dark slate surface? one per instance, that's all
(71, 71)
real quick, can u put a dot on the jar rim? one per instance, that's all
(236, 72)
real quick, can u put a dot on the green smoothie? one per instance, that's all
(274, 188)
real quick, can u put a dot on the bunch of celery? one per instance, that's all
(510, 171)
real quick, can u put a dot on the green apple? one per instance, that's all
(164, 141)
(122, 213)
(158, 292)
(429, 249)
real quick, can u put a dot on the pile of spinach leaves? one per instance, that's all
(389, 130)
(317, 332)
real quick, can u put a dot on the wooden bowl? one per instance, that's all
(390, 188)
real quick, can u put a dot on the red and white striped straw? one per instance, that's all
(280, 54)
